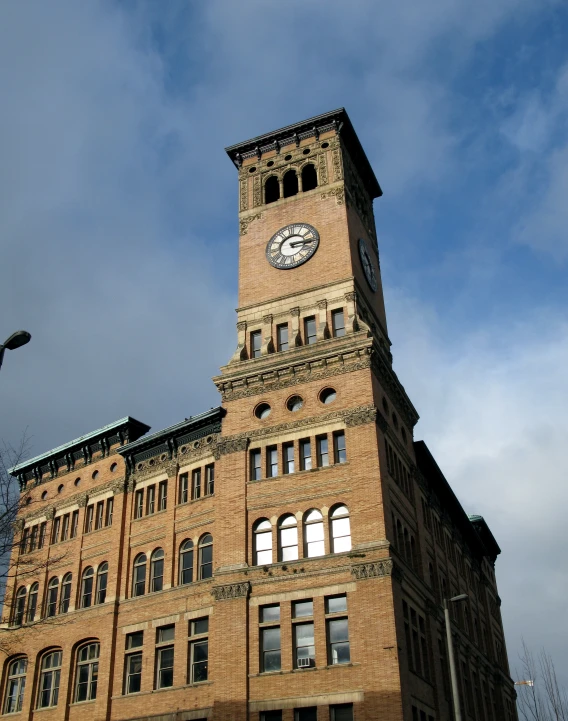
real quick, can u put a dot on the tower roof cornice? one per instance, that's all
(312, 127)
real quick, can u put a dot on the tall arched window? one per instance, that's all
(52, 591)
(87, 587)
(290, 183)
(340, 530)
(271, 189)
(87, 672)
(65, 598)
(32, 602)
(186, 562)
(20, 606)
(288, 538)
(16, 685)
(102, 579)
(48, 689)
(309, 177)
(262, 541)
(139, 575)
(157, 570)
(206, 556)
(314, 544)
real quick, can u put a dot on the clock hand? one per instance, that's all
(299, 242)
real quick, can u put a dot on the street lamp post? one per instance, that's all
(17, 339)
(453, 672)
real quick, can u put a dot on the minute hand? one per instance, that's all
(299, 242)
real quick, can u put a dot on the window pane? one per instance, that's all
(165, 667)
(166, 633)
(201, 625)
(303, 608)
(306, 714)
(336, 603)
(270, 639)
(269, 613)
(134, 673)
(340, 545)
(289, 536)
(342, 713)
(338, 630)
(282, 337)
(310, 330)
(314, 532)
(264, 541)
(134, 640)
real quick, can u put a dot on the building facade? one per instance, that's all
(285, 555)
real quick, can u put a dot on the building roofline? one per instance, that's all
(334, 119)
(472, 530)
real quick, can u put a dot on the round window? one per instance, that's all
(77, 481)
(288, 157)
(44, 495)
(306, 151)
(325, 145)
(113, 467)
(253, 169)
(270, 163)
(60, 488)
(95, 474)
(295, 403)
(262, 410)
(328, 395)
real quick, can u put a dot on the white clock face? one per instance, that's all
(367, 264)
(292, 245)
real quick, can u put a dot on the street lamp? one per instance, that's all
(17, 339)
(453, 673)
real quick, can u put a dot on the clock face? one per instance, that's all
(367, 264)
(292, 245)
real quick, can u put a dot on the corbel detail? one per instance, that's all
(351, 301)
(296, 337)
(322, 331)
(241, 353)
(267, 344)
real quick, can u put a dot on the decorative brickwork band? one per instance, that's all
(230, 591)
(233, 445)
(82, 499)
(361, 416)
(50, 512)
(374, 569)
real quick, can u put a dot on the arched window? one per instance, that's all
(340, 530)
(186, 562)
(290, 183)
(32, 602)
(139, 575)
(87, 587)
(262, 542)
(16, 685)
(20, 606)
(52, 591)
(48, 689)
(206, 556)
(314, 544)
(157, 570)
(309, 177)
(102, 579)
(271, 190)
(288, 538)
(65, 593)
(87, 672)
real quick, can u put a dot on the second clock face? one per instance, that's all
(292, 245)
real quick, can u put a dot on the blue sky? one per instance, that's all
(119, 230)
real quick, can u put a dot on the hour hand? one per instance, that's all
(296, 243)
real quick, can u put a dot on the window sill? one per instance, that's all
(264, 674)
(83, 703)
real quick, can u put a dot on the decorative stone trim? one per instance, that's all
(231, 445)
(337, 193)
(361, 416)
(245, 222)
(50, 513)
(373, 569)
(82, 499)
(230, 591)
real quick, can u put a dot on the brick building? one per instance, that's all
(282, 556)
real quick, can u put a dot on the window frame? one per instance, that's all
(310, 523)
(204, 544)
(255, 468)
(337, 331)
(102, 583)
(92, 666)
(282, 329)
(87, 578)
(15, 685)
(163, 647)
(310, 330)
(53, 672)
(197, 640)
(132, 653)
(51, 597)
(257, 531)
(255, 344)
(283, 526)
(32, 609)
(65, 595)
(183, 493)
(183, 554)
(334, 520)
(137, 565)
(157, 562)
(339, 447)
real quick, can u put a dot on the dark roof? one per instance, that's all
(169, 439)
(473, 528)
(306, 128)
(125, 429)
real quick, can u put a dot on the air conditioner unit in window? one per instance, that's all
(304, 662)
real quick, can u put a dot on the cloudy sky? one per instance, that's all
(118, 226)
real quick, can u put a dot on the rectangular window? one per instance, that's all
(271, 716)
(306, 714)
(41, 539)
(337, 323)
(162, 496)
(24, 541)
(33, 537)
(133, 673)
(282, 337)
(210, 479)
(310, 330)
(139, 504)
(65, 527)
(341, 712)
(100, 515)
(416, 641)
(288, 457)
(255, 344)
(338, 641)
(323, 452)
(196, 484)
(109, 509)
(57, 528)
(183, 488)
(304, 645)
(339, 453)
(302, 609)
(270, 645)
(271, 462)
(255, 467)
(270, 614)
(165, 657)
(134, 640)
(305, 454)
(198, 650)
(150, 500)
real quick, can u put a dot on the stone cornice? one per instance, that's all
(230, 591)
(375, 569)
